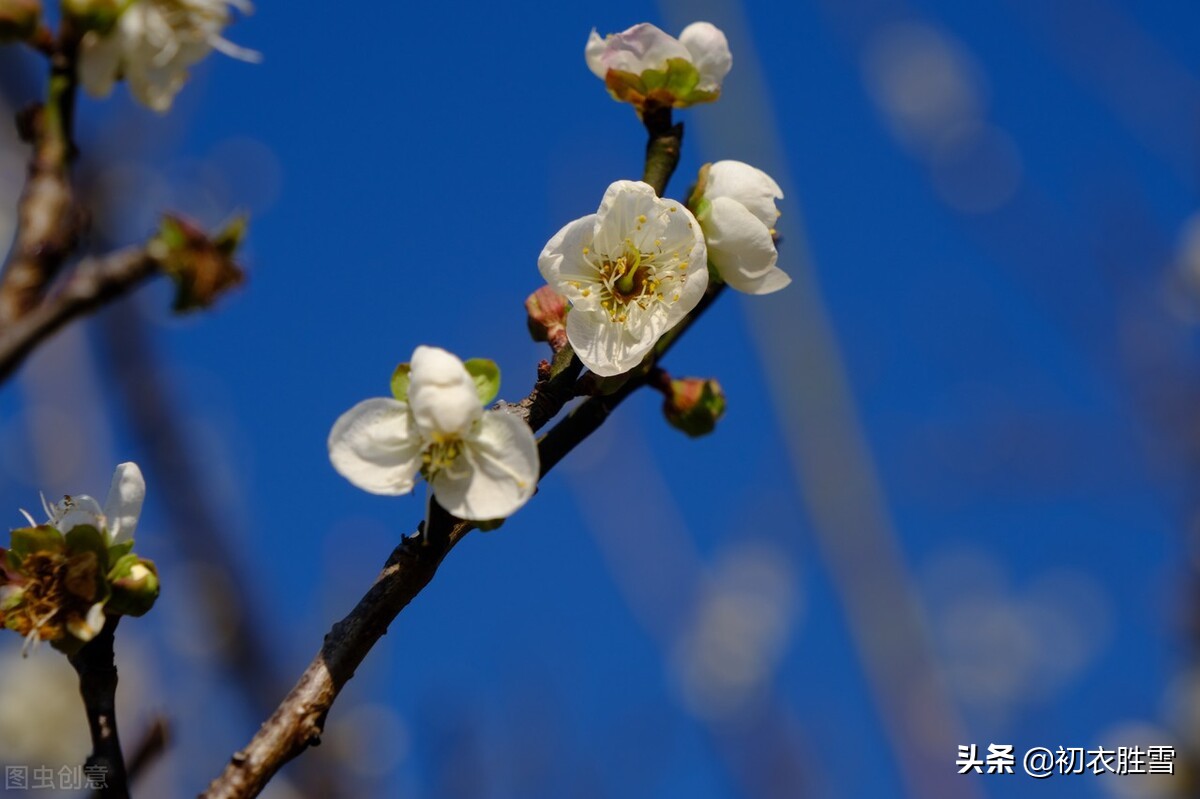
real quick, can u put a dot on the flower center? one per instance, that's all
(633, 278)
(440, 455)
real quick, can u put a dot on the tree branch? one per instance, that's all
(98, 686)
(300, 718)
(91, 284)
(49, 219)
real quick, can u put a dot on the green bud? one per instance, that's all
(19, 19)
(694, 405)
(135, 586)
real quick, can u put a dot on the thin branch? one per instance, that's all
(91, 284)
(299, 720)
(49, 218)
(97, 672)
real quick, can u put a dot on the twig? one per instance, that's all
(98, 686)
(91, 284)
(150, 410)
(49, 218)
(300, 718)
(150, 747)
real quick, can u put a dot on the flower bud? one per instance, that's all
(135, 586)
(694, 405)
(547, 311)
(19, 19)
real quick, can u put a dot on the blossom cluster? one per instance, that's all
(617, 281)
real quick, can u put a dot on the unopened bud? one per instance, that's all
(19, 19)
(694, 405)
(548, 317)
(134, 586)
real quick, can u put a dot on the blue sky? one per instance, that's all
(984, 344)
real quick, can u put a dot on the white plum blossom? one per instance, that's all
(736, 209)
(632, 271)
(117, 519)
(481, 465)
(643, 62)
(154, 43)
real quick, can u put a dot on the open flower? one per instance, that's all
(481, 465)
(59, 581)
(647, 67)
(154, 43)
(631, 270)
(735, 204)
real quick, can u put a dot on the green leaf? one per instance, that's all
(118, 551)
(85, 538)
(400, 379)
(486, 375)
(27, 540)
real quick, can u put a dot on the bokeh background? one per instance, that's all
(954, 499)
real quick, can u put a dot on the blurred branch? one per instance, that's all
(150, 747)
(98, 686)
(49, 218)
(93, 283)
(299, 720)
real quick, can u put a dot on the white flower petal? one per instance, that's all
(769, 282)
(500, 473)
(441, 393)
(99, 63)
(374, 445)
(740, 246)
(565, 265)
(609, 348)
(635, 50)
(709, 52)
(77, 511)
(123, 507)
(88, 628)
(593, 53)
(748, 185)
(617, 220)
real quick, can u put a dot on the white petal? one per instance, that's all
(609, 348)
(748, 185)
(375, 447)
(740, 247)
(88, 628)
(637, 49)
(77, 511)
(441, 393)
(99, 63)
(502, 475)
(123, 507)
(769, 282)
(564, 264)
(623, 203)
(593, 53)
(709, 53)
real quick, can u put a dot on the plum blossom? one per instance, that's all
(645, 66)
(632, 271)
(481, 465)
(60, 580)
(735, 204)
(153, 44)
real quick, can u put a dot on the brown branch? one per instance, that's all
(98, 686)
(49, 218)
(91, 284)
(300, 718)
